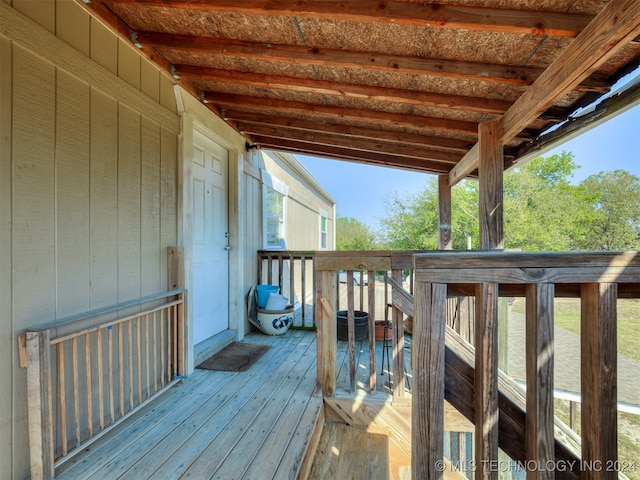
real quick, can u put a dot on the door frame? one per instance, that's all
(210, 128)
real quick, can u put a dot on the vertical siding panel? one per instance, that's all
(72, 25)
(43, 12)
(168, 198)
(150, 208)
(72, 196)
(104, 46)
(128, 64)
(128, 204)
(167, 94)
(104, 200)
(149, 80)
(6, 324)
(33, 223)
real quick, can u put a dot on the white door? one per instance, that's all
(210, 294)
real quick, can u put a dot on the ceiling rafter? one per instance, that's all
(382, 159)
(246, 119)
(615, 26)
(309, 55)
(366, 145)
(434, 14)
(369, 92)
(245, 102)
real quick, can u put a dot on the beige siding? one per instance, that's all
(88, 192)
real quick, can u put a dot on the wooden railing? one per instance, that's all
(599, 279)
(292, 271)
(87, 373)
(366, 276)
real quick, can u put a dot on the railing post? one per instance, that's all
(598, 349)
(39, 405)
(326, 332)
(427, 420)
(539, 372)
(486, 380)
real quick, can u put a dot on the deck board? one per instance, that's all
(256, 424)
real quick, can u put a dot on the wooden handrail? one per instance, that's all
(597, 278)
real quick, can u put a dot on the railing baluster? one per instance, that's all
(147, 354)
(539, 374)
(100, 380)
(598, 349)
(139, 357)
(486, 380)
(62, 399)
(155, 352)
(76, 391)
(121, 368)
(110, 369)
(397, 329)
(372, 331)
(130, 361)
(163, 372)
(89, 384)
(351, 331)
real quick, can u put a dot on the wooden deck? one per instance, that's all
(251, 425)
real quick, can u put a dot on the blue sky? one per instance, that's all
(361, 190)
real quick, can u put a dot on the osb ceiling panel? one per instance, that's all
(403, 74)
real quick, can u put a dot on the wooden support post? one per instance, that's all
(175, 277)
(39, 405)
(444, 213)
(427, 427)
(540, 442)
(398, 344)
(598, 380)
(326, 332)
(486, 380)
(491, 186)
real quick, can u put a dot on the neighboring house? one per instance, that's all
(104, 165)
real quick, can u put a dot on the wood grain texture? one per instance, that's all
(444, 213)
(428, 381)
(486, 379)
(598, 353)
(326, 332)
(539, 373)
(491, 193)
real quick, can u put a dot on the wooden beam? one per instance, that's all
(540, 442)
(428, 352)
(614, 27)
(247, 102)
(399, 13)
(444, 213)
(491, 187)
(248, 122)
(312, 55)
(263, 133)
(323, 87)
(486, 381)
(382, 159)
(598, 359)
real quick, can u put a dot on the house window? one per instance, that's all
(324, 227)
(275, 196)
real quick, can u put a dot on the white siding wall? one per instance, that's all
(88, 193)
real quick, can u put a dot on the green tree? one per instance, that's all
(542, 209)
(411, 223)
(352, 234)
(613, 221)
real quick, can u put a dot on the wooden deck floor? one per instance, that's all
(251, 425)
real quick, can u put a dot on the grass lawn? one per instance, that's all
(567, 316)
